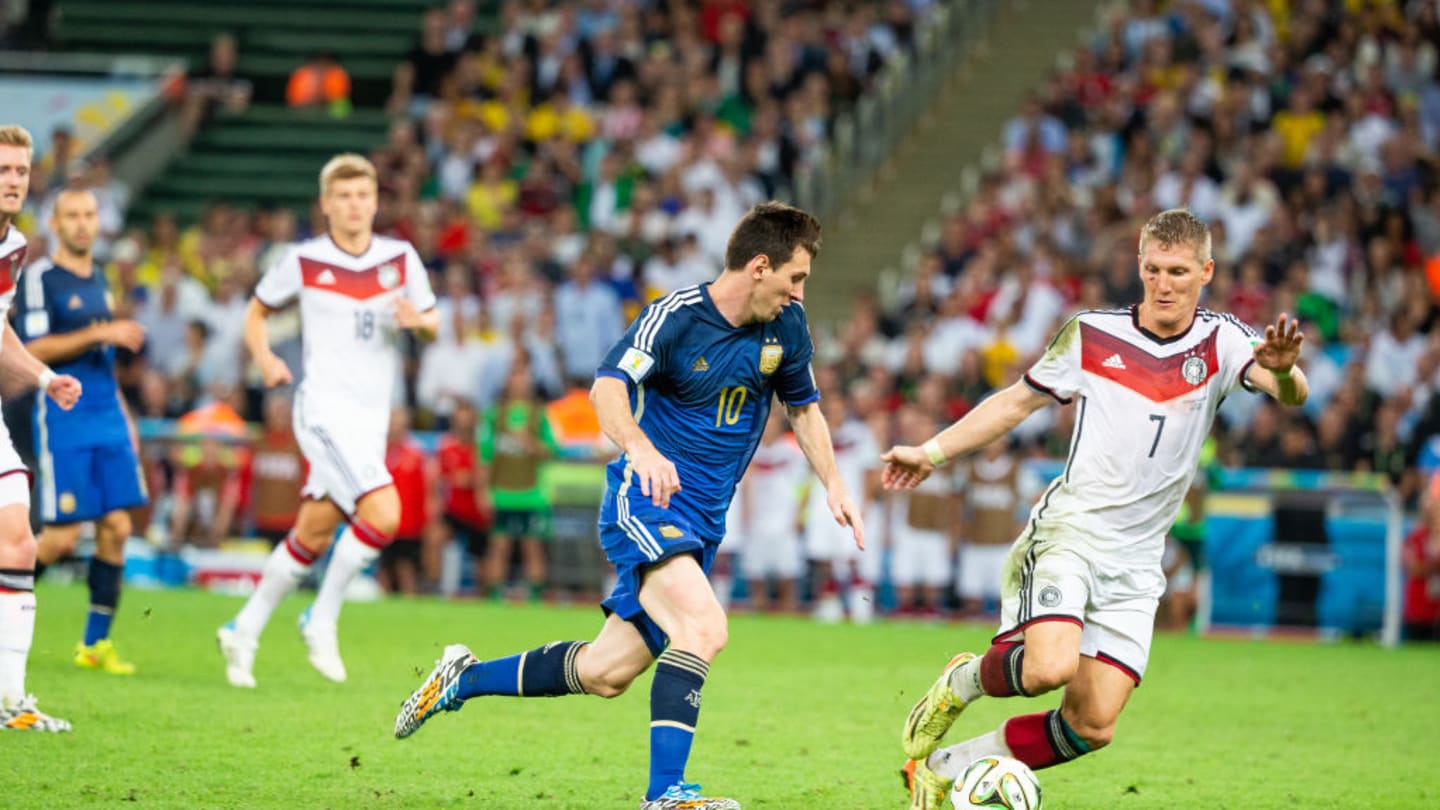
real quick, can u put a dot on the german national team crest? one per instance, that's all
(770, 355)
(1194, 370)
(389, 276)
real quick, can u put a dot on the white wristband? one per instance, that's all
(46, 377)
(933, 452)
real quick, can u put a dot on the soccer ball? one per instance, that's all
(997, 782)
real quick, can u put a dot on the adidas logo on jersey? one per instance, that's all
(326, 277)
(1113, 361)
(700, 365)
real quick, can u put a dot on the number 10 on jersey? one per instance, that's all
(732, 401)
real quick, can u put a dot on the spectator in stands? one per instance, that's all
(277, 473)
(417, 80)
(207, 490)
(320, 81)
(415, 476)
(1421, 559)
(515, 442)
(464, 487)
(215, 88)
(588, 318)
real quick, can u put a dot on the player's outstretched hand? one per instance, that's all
(847, 514)
(905, 467)
(658, 476)
(65, 390)
(1281, 347)
(406, 315)
(274, 371)
(125, 333)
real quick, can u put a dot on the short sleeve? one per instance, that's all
(1057, 372)
(642, 349)
(417, 281)
(279, 286)
(795, 381)
(1236, 346)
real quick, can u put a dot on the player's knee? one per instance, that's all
(1042, 674)
(705, 638)
(117, 524)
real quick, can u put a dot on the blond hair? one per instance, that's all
(16, 135)
(1178, 226)
(347, 166)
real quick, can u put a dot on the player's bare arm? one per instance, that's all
(658, 477)
(425, 324)
(1274, 371)
(59, 348)
(906, 466)
(257, 339)
(813, 436)
(18, 363)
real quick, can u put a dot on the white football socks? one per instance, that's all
(282, 573)
(965, 680)
(349, 558)
(17, 631)
(950, 762)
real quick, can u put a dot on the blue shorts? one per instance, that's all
(86, 483)
(637, 535)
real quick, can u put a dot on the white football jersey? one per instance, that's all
(12, 260)
(347, 323)
(772, 488)
(1144, 408)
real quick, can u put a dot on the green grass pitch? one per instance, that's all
(797, 717)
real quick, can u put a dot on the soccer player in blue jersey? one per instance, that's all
(89, 466)
(685, 394)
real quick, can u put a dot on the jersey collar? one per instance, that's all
(1135, 319)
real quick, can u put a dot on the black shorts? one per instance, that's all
(402, 548)
(476, 540)
(518, 524)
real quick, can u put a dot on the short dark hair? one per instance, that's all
(774, 230)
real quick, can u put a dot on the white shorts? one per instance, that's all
(344, 464)
(919, 558)
(14, 475)
(1047, 580)
(830, 542)
(772, 555)
(981, 569)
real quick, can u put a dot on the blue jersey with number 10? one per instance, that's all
(700, 388)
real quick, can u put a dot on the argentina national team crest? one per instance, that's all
(1194, 370)
(770, 355)
(389, 276)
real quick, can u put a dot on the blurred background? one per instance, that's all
(981, 169)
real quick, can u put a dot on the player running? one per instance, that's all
(18, 710)
(356, 290)
(89, 464)
(685, 393)
(1082, 582)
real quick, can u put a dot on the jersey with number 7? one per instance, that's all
(1144, 406)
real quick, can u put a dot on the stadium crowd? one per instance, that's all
(584, 158)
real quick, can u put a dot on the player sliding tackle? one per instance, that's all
(685, 394)
(355, 291)
(1082, 582)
